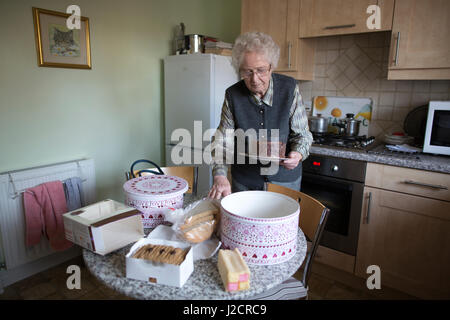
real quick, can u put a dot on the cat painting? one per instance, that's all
(63, 43)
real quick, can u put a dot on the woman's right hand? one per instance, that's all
(221, 188)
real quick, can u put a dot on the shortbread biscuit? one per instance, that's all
(199, 218)
(200, 232)
(140, 252)
(161, 253)
(182, 256)
(172, 256)
(201, 222)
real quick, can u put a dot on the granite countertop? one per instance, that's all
(204, 283)
(376, 154)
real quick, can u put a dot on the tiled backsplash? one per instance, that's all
(356, 66)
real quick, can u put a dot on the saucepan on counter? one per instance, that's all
(318, 124)
(349, 126)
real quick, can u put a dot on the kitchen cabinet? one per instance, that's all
(337, 17)
(420, 48)
(279, 19)
(422, 183)
(405, 230)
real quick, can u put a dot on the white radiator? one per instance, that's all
(12, 217)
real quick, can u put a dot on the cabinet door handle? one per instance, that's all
(396, 49)
(433, 186)
(369, 203)
(341, 26)
(289, 54)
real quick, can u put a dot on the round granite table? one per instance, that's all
(203, 284)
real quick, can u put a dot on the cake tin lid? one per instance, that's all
(156, 185)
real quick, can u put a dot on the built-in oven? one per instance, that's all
(338, 183)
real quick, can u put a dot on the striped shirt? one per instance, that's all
(300, 138)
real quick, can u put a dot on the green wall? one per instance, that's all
(112, 113)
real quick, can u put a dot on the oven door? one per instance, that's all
(344, 199)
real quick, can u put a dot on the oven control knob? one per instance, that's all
(334, 168)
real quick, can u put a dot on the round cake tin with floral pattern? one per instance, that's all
(152, 195)
(262, 225)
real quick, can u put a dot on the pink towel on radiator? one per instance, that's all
(44, 206)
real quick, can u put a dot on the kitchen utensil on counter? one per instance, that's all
(318, 124)
(352, 125)
(403, 148)
(397, 139)
(334, 108)
(349, 126)
(262, 225)
(194, 43)
(415, 123)
(152, 195)
(360, 142)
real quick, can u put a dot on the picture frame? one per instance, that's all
(57, 45)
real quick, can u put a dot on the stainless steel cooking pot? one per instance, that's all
(350, 125)
(318, 124)
(194, 43)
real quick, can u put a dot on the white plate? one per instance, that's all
(392, 139)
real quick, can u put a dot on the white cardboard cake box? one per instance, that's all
(158, 272)
(104, 226)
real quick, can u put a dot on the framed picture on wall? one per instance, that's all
(57, 45)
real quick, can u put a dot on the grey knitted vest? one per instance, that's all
(248, 115)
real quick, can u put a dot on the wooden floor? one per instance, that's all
(325, 283)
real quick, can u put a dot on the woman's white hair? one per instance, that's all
(255, 42)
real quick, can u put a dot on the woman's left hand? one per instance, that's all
(294, 158)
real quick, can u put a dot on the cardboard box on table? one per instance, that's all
(158, 272)
(104, 226)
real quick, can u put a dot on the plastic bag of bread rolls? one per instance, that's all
(197, 222)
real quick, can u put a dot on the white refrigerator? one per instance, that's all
(194, 91)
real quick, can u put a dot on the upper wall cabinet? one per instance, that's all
(420, 45)
(336, 17)
(279, 19)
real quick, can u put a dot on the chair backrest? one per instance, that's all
(313, 216)
(188, 173)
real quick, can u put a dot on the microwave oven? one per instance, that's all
(437, 132)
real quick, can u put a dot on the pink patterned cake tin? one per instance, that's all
(153, 194)
(262, 225)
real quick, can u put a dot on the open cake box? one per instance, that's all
(104, 226)
(159, 272)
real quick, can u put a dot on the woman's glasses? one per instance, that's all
(259, 72)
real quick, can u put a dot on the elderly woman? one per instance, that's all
(262, 100)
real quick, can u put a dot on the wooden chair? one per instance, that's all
(188, 173)
(313, 216)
